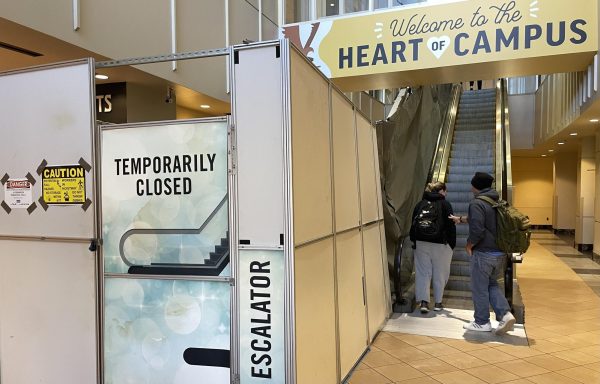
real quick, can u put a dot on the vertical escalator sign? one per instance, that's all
(63, 184)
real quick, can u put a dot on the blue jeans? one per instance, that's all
(485, 271)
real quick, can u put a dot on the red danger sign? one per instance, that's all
(13, 184)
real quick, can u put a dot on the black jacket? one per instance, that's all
(449, 231)
(482, 222)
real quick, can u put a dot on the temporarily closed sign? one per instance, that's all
(63, 184)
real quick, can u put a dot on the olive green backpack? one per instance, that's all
(512, 227)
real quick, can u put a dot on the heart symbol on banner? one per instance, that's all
(438, 45)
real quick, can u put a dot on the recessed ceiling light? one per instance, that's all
(561, 142)
(594, 120)
(101, 77)
(205, 106)
(573, 134)
(332, 5)
(544, 155)
(551, 150)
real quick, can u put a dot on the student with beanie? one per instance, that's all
(487, 261)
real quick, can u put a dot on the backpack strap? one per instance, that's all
(488, 200)
(491, 202)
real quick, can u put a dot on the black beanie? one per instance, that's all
(481, 180)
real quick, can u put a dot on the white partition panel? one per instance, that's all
(367, 161)
(47, 313)
(347, 214)
(46, 116)
(259, 109)
(48, 306)
(311, 151)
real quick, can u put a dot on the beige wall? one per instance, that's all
(147, 103)
(596, 200)
(186, 113)
(134, 28)
(522, 121)
(586, 188)
(533, 188)
(565, 190)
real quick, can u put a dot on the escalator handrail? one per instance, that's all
(397, 264)
(506, 181)
(507, 169)
(503, 156)
(499, 150)
(441, 155)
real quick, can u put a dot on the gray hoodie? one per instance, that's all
(482, 222)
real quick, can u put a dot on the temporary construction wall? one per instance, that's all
(306, 181)
(265, 266)
(340, 278)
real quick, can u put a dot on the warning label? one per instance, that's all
(63, 184)
(17, 193)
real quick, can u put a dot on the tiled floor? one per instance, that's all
(562, 325)
(582, 264)
(448, 323)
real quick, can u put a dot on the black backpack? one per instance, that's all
(428, 224)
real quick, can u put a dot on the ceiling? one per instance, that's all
(22, 47)
(580, 129)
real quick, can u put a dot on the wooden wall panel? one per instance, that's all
(374, 277)
(366, 161)
(347, 214)
(310, 152)
(315, 314)
(351, 305)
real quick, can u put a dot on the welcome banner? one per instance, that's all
(453, 34)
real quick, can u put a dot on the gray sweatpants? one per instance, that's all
(432, 264)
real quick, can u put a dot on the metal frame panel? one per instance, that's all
(258, 120)
(288, 196)
(260, 173)
(233, 259)
(280, 179)
(63, 101)
(62, 96)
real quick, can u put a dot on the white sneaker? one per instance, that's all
(506, 324)
(473, 326)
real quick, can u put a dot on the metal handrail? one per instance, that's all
(499, 154)
(507, 175)
(504, 175)
(397, 264)
(441, 156)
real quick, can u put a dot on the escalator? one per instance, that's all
(474, 137)
(473, 150)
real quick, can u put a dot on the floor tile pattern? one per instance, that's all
(562, 324)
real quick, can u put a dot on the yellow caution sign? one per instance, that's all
(63, 184)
